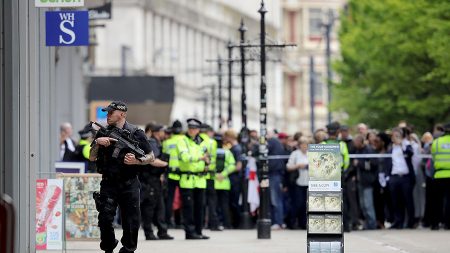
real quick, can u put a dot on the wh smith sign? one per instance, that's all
(59, 3)
(67, 28)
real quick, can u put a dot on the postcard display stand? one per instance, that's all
(324, 212)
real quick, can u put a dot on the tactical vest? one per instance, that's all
(106, 164)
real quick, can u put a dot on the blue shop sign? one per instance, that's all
(67, 28)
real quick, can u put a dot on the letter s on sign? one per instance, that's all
(67, 31)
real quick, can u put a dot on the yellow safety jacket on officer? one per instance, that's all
(345, 163)
(440, 150)
(170, 148)
(191, 167)
(210, 145)
(225, 165)
(86, 148)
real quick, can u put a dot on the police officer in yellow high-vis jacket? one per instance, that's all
(173, 178)
(225, 165)
(193, 158)
(349, 197)
(210, 144)
(440, 150)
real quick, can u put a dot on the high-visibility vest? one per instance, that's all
(169, 147)
(225, 165)
(210, 145)
(440, 150)
(191, 167)
(345, 163)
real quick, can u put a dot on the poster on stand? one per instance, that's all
(81, 214)
(324, 162)
(49, 216)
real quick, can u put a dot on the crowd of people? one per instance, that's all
(386, 179)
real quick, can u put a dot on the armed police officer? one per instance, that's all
(193, 158)
(152, 202)
(119, 185)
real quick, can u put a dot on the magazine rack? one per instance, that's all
(324, 203)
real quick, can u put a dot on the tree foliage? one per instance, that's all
(395, 63)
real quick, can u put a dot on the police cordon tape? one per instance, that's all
(423, 156)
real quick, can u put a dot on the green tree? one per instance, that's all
(395, 63)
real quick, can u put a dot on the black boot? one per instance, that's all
(165, 236)
(193, 236)
(150, 237)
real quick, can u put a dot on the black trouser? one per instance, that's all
(193, 205)
(441, 212)
(430, 199)
(152, 206)
(211, 200)
(402, 197)
(235, 193)
(124, 194)
(171, 187)
(223, 208)
(350, 200)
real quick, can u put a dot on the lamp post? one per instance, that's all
(230, 85)
(264, 222)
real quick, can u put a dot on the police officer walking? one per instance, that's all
(152, 201)
(225, 165)
(210, 144)
(440, 150)
(193, 158)
(119, 185)
(173, 178)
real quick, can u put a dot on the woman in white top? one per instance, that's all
(298, 161)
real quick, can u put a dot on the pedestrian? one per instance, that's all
(193, 158)
(277, 169)
(152, 200)
(67, 144)
(401, 180)
(440, 151)
(366, 176)
(230, 139)
(225, 165)
(119, 185)
(382, 196)
(173, 177)
(298, 162)
(210, 145)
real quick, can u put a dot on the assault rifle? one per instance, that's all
(124, 140)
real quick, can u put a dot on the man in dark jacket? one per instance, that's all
(277, 167)
(366, 174)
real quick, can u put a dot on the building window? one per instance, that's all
(292, 15)
(315, 23)
(292, 90)
(319, 89)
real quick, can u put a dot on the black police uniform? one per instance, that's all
(152, 202)
(119, 187)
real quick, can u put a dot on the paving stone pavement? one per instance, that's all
(285, 241)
